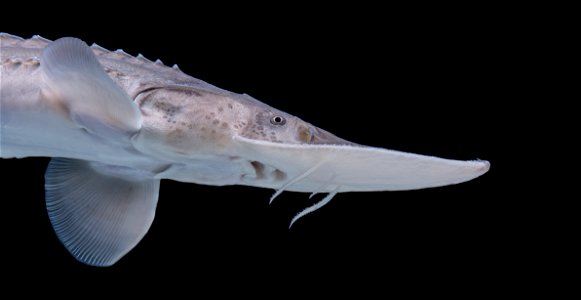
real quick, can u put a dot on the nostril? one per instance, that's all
(306, 134)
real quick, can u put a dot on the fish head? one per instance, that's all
(189, 121)
(265, 123)
(223, 138)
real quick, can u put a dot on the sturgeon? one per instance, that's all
(116, 124)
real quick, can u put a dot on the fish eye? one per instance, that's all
(278, 120)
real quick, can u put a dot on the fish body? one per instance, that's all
(116, 125)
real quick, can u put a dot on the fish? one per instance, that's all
(114, 125)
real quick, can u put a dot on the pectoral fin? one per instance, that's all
(99, 212)
(74, 79)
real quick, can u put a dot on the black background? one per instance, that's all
(429, 80)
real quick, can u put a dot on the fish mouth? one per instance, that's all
(267, 172)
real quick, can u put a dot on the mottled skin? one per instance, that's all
(181, 116)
